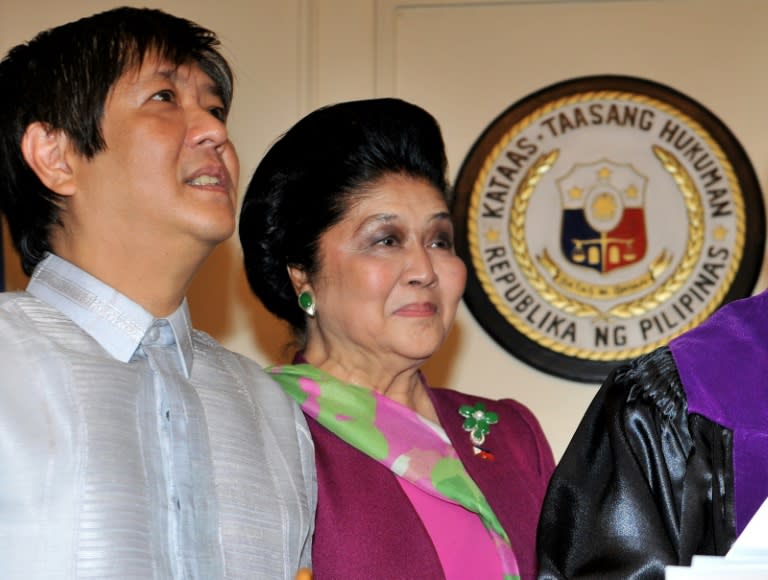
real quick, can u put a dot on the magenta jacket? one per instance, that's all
(366, 527)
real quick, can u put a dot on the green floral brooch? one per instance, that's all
(478, 421)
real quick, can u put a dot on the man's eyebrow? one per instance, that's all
(167, 72)
(171, 73)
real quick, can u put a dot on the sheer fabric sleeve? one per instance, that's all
(641, 485)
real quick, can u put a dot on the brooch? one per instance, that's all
(478, 421)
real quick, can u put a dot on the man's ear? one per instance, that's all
(47, 152)
(299, 279)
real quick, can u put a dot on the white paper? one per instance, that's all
(746, 560)
(752, 543)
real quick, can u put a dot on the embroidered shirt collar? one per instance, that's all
(117, 323)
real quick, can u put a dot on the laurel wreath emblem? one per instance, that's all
(694, 209)
(539, 279)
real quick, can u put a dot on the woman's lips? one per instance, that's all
(418, 310)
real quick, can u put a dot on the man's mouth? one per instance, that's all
(205, 180)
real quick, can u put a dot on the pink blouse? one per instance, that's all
(462, 543)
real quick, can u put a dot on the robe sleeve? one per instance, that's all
(642, 484)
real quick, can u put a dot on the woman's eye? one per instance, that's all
(387, 241)
(443, 243)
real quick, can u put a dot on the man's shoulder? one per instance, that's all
(20, 312)
(204, 342)
(9, 301)
(33, 334)
(241, 369)
(215, 353)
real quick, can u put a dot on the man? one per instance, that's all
(671, 458)
(132, 445)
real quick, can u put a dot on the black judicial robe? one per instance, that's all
(643, 483)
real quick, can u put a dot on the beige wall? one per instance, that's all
(465, 62)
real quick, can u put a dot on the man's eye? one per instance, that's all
(165, 96)
(219, 112)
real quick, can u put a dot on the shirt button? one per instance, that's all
(168, 415)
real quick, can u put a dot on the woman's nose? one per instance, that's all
(420, 270)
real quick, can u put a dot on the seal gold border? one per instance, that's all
(503, 325)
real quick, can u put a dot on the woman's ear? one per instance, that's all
(47, 152)
(299, 279)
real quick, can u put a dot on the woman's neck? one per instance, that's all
(400, 383)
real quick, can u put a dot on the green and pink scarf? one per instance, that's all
(405, 443)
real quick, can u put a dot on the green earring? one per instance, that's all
(307, 304)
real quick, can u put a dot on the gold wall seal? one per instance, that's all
(600, 218)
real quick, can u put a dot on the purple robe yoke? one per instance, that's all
(723, 366)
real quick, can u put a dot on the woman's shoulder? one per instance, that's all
(512, 414)
(517, 430)
(453, 396)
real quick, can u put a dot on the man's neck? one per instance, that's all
(156, 281)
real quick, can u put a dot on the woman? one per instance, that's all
(347, 236)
